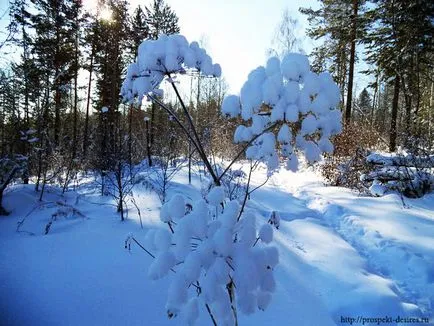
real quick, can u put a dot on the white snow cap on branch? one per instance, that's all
(210, 251)
(287, 99)
(158, 58)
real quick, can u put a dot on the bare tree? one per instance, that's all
(286, 38)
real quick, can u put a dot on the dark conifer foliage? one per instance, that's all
(394, 40)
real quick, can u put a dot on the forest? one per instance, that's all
(108, 113)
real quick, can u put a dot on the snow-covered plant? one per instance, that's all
(286, 107)
(214, 248)
(162, 58)
(234, 182)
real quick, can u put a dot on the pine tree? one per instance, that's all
(330, 23)
(339, 24)
(161, 19)
(398, 45)
(364, 105)
(54, 48)
(110, 49)
(139, 30)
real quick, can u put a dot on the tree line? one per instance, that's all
(394, 40)
(59, 102)
(61, 112)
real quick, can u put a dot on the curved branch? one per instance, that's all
(193, 129)
(245, 147)
(168, 110)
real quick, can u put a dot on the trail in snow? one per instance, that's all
(369, 250)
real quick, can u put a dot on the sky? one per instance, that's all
(236, 33)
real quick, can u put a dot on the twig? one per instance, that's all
(138, 210)
(138, 243)
(210, 314)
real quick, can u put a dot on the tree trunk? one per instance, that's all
(74, 132)
(3, 211)
(130, 137)
(120, 189)
(352, 60)
(57, 97)
(408, 124)
(392, 141)
(89, 87)
(57, 116)
(374, 100)
(148, 142)
(151, 132)
(8, 180)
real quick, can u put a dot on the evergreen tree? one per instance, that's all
(339, 24)
(139, 30)
(364, 105)
(330, 23)
(110, 61)
(161, 19)
(54, 44)
(399, 42)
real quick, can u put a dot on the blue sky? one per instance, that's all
(237, 33)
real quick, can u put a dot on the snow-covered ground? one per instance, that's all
(342, 256)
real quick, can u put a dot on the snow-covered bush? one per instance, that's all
(411, 175)
(214, 244)
(233, 181)
(286, 108)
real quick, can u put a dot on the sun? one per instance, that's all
(106, 14)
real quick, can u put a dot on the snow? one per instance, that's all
(216, 196)
(162, 240)
(161, 265)
(308, 125)
(377, 189)
(176, 206)
(295, 66)
(285, 94)
(231, 106)
(223, 241)
(312, 151)
(335, 254)
(274, 219)
(285, 135)
(192, 311)
(166, 56)
(266, 233)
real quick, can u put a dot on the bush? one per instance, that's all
(348, 162)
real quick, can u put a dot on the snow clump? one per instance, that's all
(286, 108)
(211, 248)
(164, 57)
